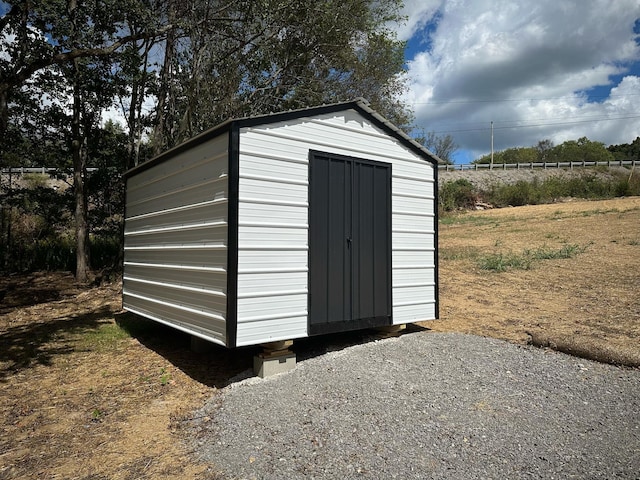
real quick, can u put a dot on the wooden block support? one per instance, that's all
(389, 331)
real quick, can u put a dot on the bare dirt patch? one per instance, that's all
(89, 393)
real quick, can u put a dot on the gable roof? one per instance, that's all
(359, 104)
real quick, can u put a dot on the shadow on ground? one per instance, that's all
(24, 346)
(29, 290)
(222, 366)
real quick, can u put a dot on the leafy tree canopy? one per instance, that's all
(626, 151)
(579, 150)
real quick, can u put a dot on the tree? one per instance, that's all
(65, 61)
(511, 155)
(544, 148)
(72, 42)
(626, 151)
(581, 150)
(443, 146)
(234, 59)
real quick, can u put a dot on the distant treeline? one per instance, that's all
(581, 150)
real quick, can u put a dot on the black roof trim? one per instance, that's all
(359, 104)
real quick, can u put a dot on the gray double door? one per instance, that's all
(349, 243)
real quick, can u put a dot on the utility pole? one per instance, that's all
(491, 167)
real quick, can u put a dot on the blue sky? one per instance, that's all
(550, 69)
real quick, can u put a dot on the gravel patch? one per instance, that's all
(428, 405)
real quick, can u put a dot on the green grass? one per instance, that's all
(106, 337)
(501, 262)
(545, 253)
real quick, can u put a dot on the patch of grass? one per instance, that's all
(96, 414)
(545, 253)
(501, 262)
(164, 377)
(465, 219)
(106, 337)
(458, 253)
(587, 185)
(598, 211)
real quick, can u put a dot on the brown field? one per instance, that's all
(83, 396)
(590, 302)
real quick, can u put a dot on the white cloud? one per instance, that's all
(418, 13)
(519, 63)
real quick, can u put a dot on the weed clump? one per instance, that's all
(501, 262)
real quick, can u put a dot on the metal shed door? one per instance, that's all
(349, 243)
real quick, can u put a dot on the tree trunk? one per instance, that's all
(4, 113)
(79, 154)
(164, 120)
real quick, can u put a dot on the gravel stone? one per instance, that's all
(428, 405)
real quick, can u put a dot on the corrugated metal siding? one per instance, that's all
(273, 221)
(272, 245)
(176, 241)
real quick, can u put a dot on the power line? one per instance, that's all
(581, 118)
(570, 119)
(506, 127)
(496, 100)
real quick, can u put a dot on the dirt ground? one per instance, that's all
(590, 301)
(87, 392)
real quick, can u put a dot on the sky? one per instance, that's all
(544, 69)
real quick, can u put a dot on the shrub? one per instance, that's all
(457, 194)
(520, 193)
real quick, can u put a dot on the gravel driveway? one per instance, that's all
(428, 405)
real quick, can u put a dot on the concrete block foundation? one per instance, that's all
(268, 365)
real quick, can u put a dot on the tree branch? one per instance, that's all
(60, 58)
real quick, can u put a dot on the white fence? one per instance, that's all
(532, 165)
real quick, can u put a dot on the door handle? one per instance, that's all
(349, 242)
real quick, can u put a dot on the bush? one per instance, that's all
(457, 194)
(520, 193)
(588, 185)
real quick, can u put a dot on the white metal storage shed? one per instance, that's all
(284, 226)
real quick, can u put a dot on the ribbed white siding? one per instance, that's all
(272, 244)
(176, 241)
(273, 221)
